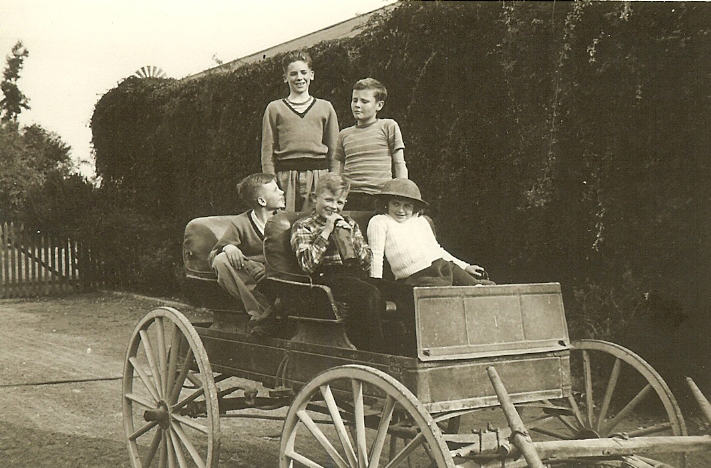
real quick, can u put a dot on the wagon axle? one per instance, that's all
(161, 415)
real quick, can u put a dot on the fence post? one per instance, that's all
(5, 257)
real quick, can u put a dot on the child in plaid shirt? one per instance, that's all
(313, 241)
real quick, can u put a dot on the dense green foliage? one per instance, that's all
(555, 141)
(29, 157)
(13, 101)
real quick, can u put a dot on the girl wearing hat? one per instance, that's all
(406, 240)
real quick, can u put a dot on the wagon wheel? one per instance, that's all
(374, 407)
(609, 383)
(170, 408)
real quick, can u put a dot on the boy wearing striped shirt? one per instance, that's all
(371, 152)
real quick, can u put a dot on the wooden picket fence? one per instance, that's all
(33, 263)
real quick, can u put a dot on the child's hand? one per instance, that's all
(234, 255)
(331, 222)
(476, 271)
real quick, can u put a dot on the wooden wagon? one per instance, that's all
(495, 380)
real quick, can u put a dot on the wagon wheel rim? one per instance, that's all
(603, 401)
(170, 406)
(354, 426)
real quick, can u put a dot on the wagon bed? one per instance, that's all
(502, 347)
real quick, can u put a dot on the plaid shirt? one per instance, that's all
(313, 251)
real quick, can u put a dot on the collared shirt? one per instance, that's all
(314, 252)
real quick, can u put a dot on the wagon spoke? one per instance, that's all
(563, 419)
(406, 451)
(663, 427)
(190, 423)
(194, 379)
(162, 358)
(150, 357)
(609, 391)
(302, 459)
(172, 462)
(176, 449)
(392, 448)
(164, 453)
(359, 415)
(321, 438)
(551, 433)
(144, 378)
(178, 384)
(154, 447)
(588, 389)
(338, 424)
(172, 356)
(428, 451)
(627, 409)
(576, 410)
(185, 440)
(193, 396)
(143, 430)
(141, 401)
(382, 433)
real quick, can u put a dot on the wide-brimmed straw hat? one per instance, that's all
(403, 188)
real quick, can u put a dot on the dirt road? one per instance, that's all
(79, 424)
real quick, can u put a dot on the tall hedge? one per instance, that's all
(555, 141)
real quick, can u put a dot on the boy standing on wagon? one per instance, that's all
(313, 241)
(299, 134)
(371, 152)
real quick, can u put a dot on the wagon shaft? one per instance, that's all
(615, 447)
(600, 449)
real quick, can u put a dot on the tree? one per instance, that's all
(14, 101)
(27, 157)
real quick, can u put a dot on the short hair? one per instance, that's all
(379, 91)
(334, 183)
(248, 188)
(296, 56)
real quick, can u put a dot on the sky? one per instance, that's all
(80, 49)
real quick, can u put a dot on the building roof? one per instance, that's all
(348, 28)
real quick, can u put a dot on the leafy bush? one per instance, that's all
(555, 142)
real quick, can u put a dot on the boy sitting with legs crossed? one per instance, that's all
(238, 257)
(314, 241)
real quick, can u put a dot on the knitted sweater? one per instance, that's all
(298, 141)
(409, 247)
(242, 233)
(367, 154)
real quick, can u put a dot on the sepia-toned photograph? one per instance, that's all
(355, 234)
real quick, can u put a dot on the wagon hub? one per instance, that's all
(161, 414)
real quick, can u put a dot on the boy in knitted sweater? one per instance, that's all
(371, 152)
(299, 134)
(238, 257)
